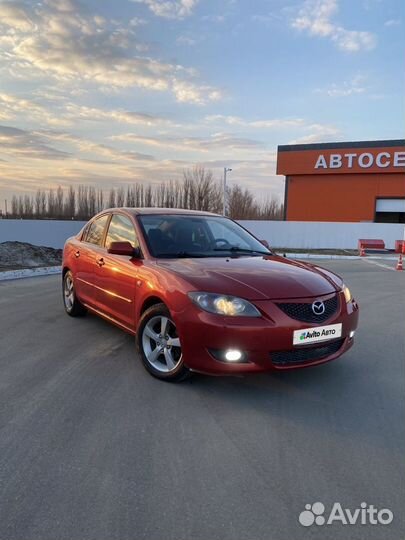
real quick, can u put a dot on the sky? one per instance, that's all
(107, 93)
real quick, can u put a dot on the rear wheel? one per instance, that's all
(159, 345)
(73, 307)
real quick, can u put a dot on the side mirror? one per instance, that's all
(123, 248)
(265, 243)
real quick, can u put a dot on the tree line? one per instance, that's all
(197, 190)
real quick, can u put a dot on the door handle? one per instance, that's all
(77, 254)
(101, 261)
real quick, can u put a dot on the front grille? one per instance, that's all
(305, 354)
(303, 311)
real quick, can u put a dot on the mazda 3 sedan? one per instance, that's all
(200, 293)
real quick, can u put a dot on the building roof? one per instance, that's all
(332, 145)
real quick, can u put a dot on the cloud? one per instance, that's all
(275, 123)
(16, 15)
(319, 133)
(313, 132)
(12, 106)
(93, 114)
(22, 144)
(137, 21)
(170, 9)
(86, 147)
(346, 88)
(217, 141)
(316, 18)
(66, 114)
(187, 92)
(266, 19)
(62, 40)
(214, 18)
(84, 161)
(253, 174)
(186, 40)
(393, 22)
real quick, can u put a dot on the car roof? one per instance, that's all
(158, 211)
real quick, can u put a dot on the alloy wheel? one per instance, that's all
(161, 344)
(68, 292)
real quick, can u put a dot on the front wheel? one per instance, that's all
(159, 345)
(73, 307)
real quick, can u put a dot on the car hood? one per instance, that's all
(254, 278)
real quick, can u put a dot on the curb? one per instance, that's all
(319, 256)
(342, 257)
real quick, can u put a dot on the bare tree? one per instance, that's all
(241, 203)
(99, 200)
(38, 203)
(82, 202)
(51, 204)
(200, 191)
(272, 210)
(91, 201)
(130, 198)
(160, 195)
(59, 203)
(148, 196)
(111, 198)
(197, 190)
(14, 206)
(120, 197)
(28, 212)
(20, 206)
(43, 203)
(139, 196)
(70, 203)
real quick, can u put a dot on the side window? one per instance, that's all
(95, 232)
(121, 229)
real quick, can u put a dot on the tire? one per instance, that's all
(159, 345)
(73, 306)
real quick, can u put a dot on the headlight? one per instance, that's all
(348, 294)
(224, 305)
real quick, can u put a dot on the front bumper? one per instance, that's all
(267, 341)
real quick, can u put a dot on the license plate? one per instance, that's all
(316, 334)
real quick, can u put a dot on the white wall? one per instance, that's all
(288, 234)
(313, 235)
(47, 233)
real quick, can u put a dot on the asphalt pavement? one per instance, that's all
(94, 448)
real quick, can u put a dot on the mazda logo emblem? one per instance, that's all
(318, 307)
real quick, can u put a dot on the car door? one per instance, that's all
(116, 274)
(86, 255)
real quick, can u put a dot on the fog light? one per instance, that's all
(351, 335)
(229, 355)
(233, 355)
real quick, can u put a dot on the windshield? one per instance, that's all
(198, 236)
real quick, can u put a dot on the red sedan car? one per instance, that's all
(202, 294)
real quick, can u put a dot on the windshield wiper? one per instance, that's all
(198, 255)
(236, 249)
(182, 255)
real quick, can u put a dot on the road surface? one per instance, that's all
(94, 448)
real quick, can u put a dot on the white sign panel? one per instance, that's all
(316, 334)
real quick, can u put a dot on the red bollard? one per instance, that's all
(399, 263)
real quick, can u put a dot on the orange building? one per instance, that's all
(353, 181)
